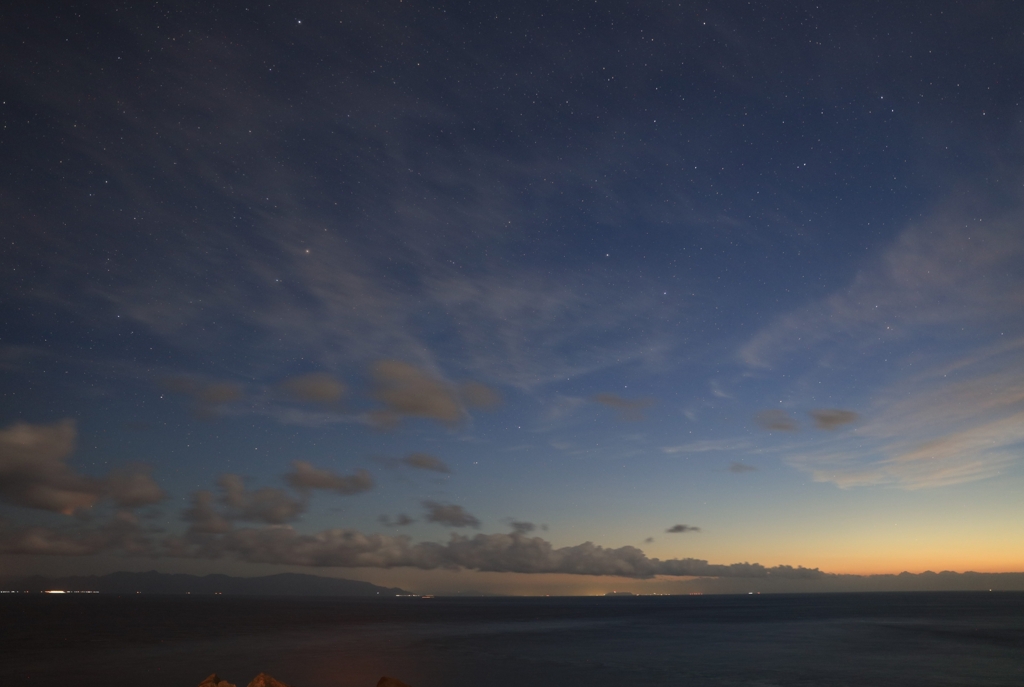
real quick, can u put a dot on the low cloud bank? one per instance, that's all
(123, 533)
(347, 548)
(511, 552)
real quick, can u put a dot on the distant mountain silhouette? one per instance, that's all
(152, 582)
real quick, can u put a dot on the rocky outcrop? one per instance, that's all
(390, 682)
(214, 681)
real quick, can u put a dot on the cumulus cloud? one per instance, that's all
(833, 418)
(407, 391)
(318, 387)
(425, 461)
(739, 468)
(679, 529)
(203, 515)
(649, 540)
(304, 477)
(775, 420)
(449, 514)
(212, 537)
(34, 473)
(628, 409)
(511, 552)
(269, 505)
(121, 532)
(134, 487)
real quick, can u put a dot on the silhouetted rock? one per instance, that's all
(390, 682)
(264, 680)
(214, 681)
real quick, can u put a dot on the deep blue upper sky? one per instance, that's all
(284, 269)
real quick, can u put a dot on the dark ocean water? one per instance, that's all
(905, 640)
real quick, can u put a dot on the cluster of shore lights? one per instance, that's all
(49, 591)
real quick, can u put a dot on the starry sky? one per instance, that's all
(526, 298)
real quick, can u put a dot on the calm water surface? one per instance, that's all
(901, 640)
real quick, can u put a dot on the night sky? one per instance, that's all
(521, 297)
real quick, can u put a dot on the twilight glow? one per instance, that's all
(563, 299)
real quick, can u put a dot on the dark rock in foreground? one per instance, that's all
(215, 681)
(264, 680)
(390, 682)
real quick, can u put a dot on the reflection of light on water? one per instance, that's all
(361, 657)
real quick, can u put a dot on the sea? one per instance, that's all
(808, 640)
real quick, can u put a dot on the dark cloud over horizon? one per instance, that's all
(346, 548)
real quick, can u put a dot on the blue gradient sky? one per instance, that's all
(597, 270)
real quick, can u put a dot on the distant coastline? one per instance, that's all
(152, 582)
(297, 584)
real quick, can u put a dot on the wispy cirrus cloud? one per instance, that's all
(419, 271)
(709, 445)
(832, 418)
(631, 409)
(975, 454)
(425, 461)
(775, 420)
(941, 274)
(316, 387)
(960, 421)
(514, 552)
